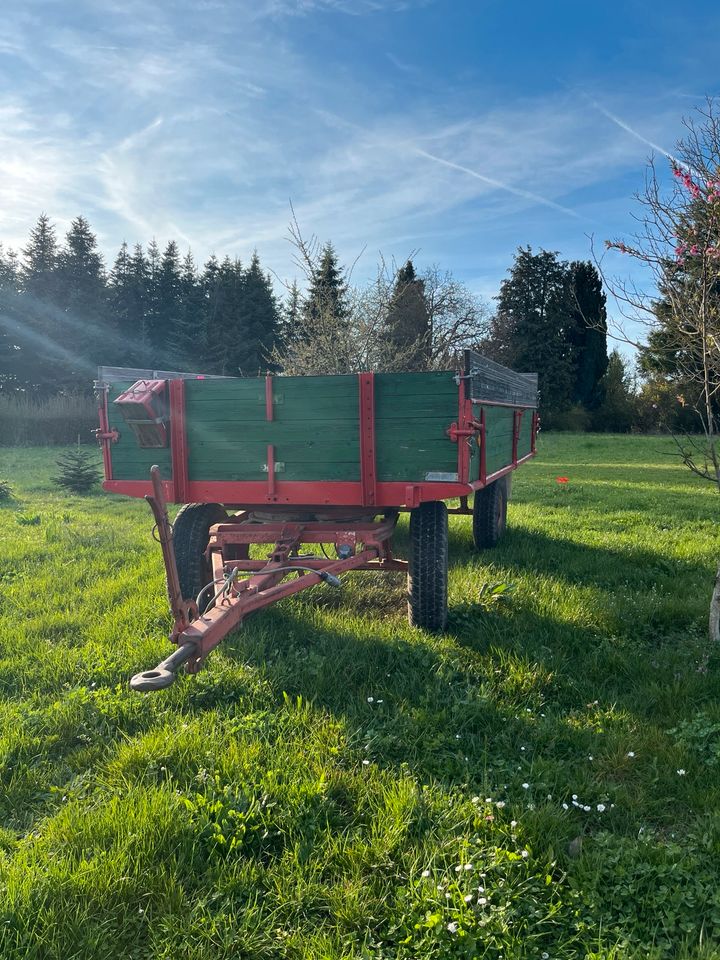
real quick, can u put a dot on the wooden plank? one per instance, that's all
(300, 409)
(303, 451)
(292, 471)
(221, 432)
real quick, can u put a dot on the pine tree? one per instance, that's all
(291, 317)
(407, 323)
(258, 321)
(167, 326)
(616, 412)
(222, 287)
(191, 332)
(327, 296)
(82, 299)
(529, 332)
(126, 301)
(40, 260)
(153, 262)
(587, 333)
(36, 319)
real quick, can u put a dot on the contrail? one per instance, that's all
(525, 194)
(633, 133)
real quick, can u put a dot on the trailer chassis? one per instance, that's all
(200, 624)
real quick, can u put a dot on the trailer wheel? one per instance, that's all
(428, 568)
(490, 514)
(191, 533)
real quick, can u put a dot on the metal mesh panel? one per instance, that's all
(493, 382)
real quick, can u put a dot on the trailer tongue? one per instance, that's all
(327, 461)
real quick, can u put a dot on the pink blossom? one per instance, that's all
(694, 250)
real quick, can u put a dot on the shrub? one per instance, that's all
(78, 471)
(6, 491)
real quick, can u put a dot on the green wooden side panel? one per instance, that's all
(525, 438)
(499, 438)
(315, 429)
(129, 461)
(412, 413)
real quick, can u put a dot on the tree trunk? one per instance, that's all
(715, 610)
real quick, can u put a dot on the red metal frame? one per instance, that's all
(368, 478)
(105, 436)
(178, 441)
(367, 542)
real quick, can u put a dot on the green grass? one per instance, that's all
(267, 808)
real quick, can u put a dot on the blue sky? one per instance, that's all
(456, 129)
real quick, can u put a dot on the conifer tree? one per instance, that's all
(407, 323)
(291, 317)
(529, 332)
(328, 292)
(168, 321)
(191, 332)
(258, 322)
(587, 333)
(126, 303)
(82, 301)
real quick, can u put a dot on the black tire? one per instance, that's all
(191, 534)
(490, 514)
(428, 568)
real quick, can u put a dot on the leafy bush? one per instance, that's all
(6, 491)
(78, 472)
(700, 737)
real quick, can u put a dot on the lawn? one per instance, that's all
(540, 781)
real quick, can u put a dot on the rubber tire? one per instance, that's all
(428, 566)
(191, 534)
(490, 514)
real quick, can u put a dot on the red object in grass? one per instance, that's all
(562, 479)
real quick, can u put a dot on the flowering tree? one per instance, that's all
(678, 243)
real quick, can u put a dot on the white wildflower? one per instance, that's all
(526, 786)
(681, 772)
(482, 901)
(631, 754)
(500, 804)
(513, 823)
(425, 873)
(587, 808)
(601, 808)
(371, 699)
(475, 800)
(366, 763)
(468, 866)
(452, 927)
(468, 898)
(524, 854)
(565, 807)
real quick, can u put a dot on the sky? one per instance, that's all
(450, 130)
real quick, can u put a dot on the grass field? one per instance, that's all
(541, 781)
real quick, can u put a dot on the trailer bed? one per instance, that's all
(365, 440)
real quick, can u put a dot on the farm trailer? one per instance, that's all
(290, 461)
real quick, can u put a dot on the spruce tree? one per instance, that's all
(36, 327)
(327, 295)
(191, 332)
(82, 299)
(407, 323)
(168, 321)
(587, 333)
(126, 309)
(153, 310)
(258, 322)
(291, 317)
